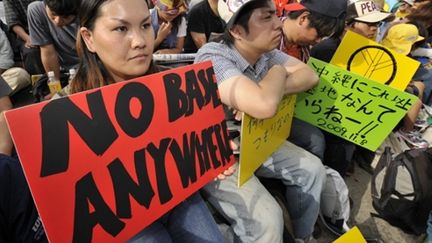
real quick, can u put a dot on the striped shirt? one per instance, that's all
(16, 12)
(228, 62)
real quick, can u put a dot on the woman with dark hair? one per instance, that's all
(169, 25)
(126, 25)
(422, 13)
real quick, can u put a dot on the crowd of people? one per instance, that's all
(259, 50)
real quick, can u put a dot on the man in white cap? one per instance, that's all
(364, 17)
(252, 77)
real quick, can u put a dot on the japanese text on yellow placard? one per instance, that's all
(260, 138)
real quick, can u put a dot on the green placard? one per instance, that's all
(352, 107)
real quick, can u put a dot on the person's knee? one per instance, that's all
(16, 78)
(315, 172)
(271, 225)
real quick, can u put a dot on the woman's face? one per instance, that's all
(123, 38)
(404, 7)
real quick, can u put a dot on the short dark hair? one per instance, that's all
(63, 7)
(324, 25)
(243, 19)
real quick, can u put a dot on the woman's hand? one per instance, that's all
(164, 30)
(226, 173)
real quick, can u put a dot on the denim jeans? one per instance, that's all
(254, 214)
(19, 219)
(190, 221)
(426, 76)
(308, 137)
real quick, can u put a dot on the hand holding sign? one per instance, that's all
(112, 160)
(228, 172)
(260, 138)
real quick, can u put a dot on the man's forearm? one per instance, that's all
(272, 87)
(50, 62)
(272, 84)
(301, 80)
(20, 32)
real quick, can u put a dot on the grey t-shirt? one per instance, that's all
(6, 53)
(44, 32)
(5, 90)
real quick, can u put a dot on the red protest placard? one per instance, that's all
(105, 163)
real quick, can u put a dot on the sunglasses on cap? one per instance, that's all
(170, 11)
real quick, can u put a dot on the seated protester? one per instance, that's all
(252, 77)
(17, 78)
(421, 12)
(6, 144)
(400, 38)
(53, 27)
(363, 20)
(127, 26)
(19, 220)
(304, 24)
(16, 20)
(422, 51)
(429, 229)
(307, 22)
(169, 25)
(404, 9)
(280, 6)
(204, 25)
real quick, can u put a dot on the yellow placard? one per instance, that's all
(374, 61)
(260, 138)
(352, 236)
